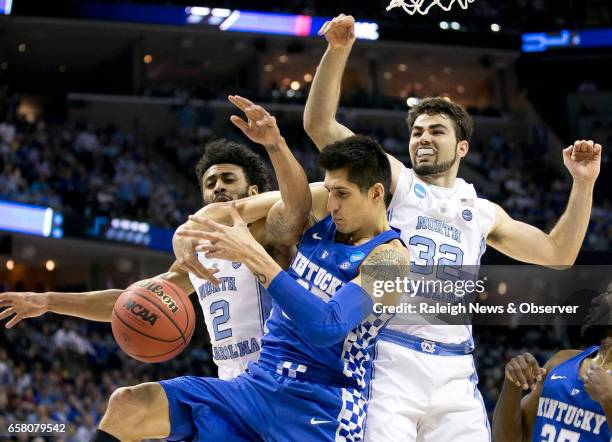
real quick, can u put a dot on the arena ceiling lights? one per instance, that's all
(219, 18)
(269, 23)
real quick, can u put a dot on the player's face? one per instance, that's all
(433, 144)
(225, 182)
(350, 208)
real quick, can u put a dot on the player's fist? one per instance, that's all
(339, 32)
(597, 382)
(583, 160)
(524, 371)
(22, 306)
(260, 126)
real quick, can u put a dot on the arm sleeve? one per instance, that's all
(323, 324)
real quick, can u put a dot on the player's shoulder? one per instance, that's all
(389, 253)
(559, 358)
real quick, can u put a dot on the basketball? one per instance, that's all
(153, 320)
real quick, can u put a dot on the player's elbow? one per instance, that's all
(316, 128)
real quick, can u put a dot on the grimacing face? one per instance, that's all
(225, 182)
(351, 209)
(434, 148)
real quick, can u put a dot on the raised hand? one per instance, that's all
(339, 32)
(260, 126)
(583, 160)
(524, 371)
(21, 306)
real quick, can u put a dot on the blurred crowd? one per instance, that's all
(78, 168)
(55, 370)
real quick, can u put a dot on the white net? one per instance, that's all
(423, 6)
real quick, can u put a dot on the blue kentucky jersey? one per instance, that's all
(566, 412)
(323, 266)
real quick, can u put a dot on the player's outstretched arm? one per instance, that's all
(96, 305)
(515, 415)
(560, 247)
(286, 219)
(320, 112)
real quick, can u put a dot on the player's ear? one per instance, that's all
(463, 148)
(378, 192)
(253, 190)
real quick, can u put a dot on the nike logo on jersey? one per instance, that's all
(575, 391)
(314, 421)
(316, 236)
(554, 377)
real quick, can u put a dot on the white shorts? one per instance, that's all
(421, 397)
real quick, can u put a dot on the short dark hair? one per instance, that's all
(222, 150)
(463, 123)
(364, 159)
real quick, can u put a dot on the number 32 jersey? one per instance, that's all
(235, 314)
(443, 228)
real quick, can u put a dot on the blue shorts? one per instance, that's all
(261, 405)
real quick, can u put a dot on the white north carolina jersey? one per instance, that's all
(235, 314)
(442, 228)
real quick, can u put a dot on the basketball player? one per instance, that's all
(234, 305)
(571, 396)
(424, 380)
(309, 383)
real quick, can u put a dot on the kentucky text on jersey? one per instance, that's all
(315, 275)
(427, 223)
(570, 415)
(235, 350)
(226, 283)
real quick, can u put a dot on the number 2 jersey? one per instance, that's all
(443, 228)
(565, 411)
(235, 314)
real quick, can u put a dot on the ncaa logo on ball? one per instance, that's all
(419, 190)
(467, 215)
(236, 265)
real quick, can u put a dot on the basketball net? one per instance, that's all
(423, 6)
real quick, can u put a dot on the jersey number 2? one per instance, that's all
(221, 319)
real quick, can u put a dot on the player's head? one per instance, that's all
(230, 171)
(598, 322)
(358, 177)
(440, 132)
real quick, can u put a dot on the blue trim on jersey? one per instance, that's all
(425, 345)
(478, 396)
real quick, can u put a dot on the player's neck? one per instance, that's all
(444, 179)
(367, 232)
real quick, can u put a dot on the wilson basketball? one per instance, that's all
(153, 320)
